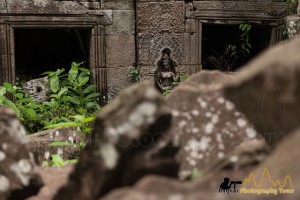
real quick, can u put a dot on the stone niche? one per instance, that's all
(42, 35)
(192, 28)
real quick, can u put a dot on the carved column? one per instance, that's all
(7, 66)
(97, 61)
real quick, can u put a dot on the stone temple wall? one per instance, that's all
(120, 43)
(133, 33)
(112, 44)
(178, 24)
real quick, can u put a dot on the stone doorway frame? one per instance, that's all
(97, 48)
(216, 12)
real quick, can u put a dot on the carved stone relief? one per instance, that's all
(150, 47)
(165, 73)
(154, 17)
(160, 25)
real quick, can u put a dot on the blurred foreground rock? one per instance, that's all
(205, 125)
(38, 143)
(120, 149)
(19, 177)
(279, 164)
(284, 161)
(54, 178)
(267, 91)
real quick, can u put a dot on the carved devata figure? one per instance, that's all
(165, 74)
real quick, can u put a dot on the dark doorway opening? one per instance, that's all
(216, 41)
(41, 50)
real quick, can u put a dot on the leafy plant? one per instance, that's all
(135, 75)
(24, 106)
(84, 125)
(242, 45)
(71, 95)
(58, 161)
(235, 53)
(292, 6)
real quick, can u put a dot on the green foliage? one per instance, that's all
(242, 46)
(135, 75)
(181, 77)
(24, 106)
(236, 52)
(166, 93)
(71, 96)
(196, 174)
(58, 161)
(84, 125)
(292, 6)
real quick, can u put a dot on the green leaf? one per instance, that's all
(87, 130)
(72, 161)
(59, 71)
(72, 99)
(90, 105)
(83, 78)
(243, 36)
(19, 95)
(60, 143)
(196, 174)
(89, 119)
(90, 89)
(7, 85)
(48, 104)
(57, 160)
(78, 117)
(73, 72)
(30, 113)
(2, 91)
(244, 27)
(63, 124)
(85, 70)
(62, 91)
(25, 100)
(94, 95)
(54, 83)
(249, 28)
(48, 73)
(45, 164)
(11, 105)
